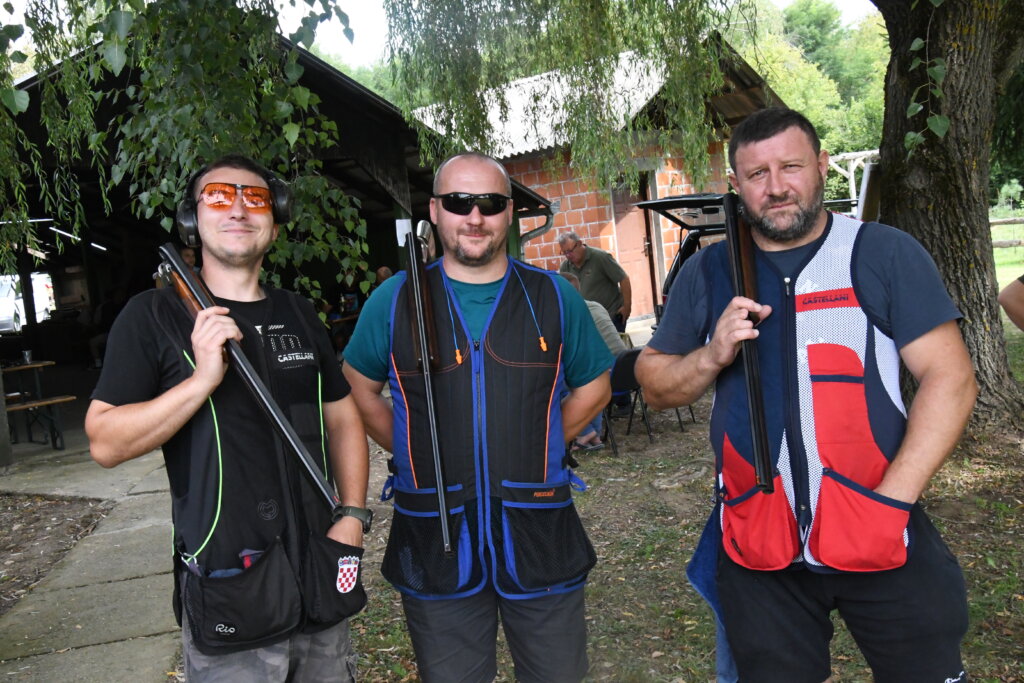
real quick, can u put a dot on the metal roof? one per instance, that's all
(532, 117)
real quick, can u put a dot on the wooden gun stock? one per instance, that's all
(197, 297)
(744, 280)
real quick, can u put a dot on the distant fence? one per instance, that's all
(1007, 221)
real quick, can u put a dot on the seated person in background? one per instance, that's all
(383, 273)
(589, 439)
(1012, 301)
(191, 257)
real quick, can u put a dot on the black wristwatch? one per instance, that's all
(362, 514)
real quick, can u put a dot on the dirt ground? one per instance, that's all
(35, 533)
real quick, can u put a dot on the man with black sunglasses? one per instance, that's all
(263, 577)
(521, 370)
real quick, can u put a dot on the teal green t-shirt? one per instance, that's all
(585, 354)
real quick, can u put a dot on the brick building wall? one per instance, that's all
(587, 210)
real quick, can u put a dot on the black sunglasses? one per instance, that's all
(462, 203)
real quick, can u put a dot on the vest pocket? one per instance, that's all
(333, 580)
(857, 530)
(543, 540)
(255, 607)
(415, 559)
(759, 530)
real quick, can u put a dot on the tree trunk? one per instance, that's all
(940, 193)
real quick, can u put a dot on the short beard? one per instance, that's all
(803, 222)
(472, 261)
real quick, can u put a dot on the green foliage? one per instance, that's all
(834, 75)
(192, 81)
(927, 97)
(1009, 193)
(18, 158)
(1008, 135)
(800, 84)
(814, 27)
(863, 56)
(464, 52)
(378, 77)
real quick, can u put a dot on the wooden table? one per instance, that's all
(39, 410)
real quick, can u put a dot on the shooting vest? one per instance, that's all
(236, 490)
(510, 511)
(834, 414)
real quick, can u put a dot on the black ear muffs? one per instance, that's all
(187, 217)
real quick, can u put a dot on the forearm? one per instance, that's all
(378, 418)
(1011, 298)
(670, 380)
(627, 297)
(583, 403)
(935, 422)
(350, 462)
(350, 458)
(120, 433)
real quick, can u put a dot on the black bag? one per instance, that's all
(333, 581)
(256, 607)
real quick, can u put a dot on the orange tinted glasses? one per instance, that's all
(221, 196)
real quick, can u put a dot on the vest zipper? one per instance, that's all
(794, 435)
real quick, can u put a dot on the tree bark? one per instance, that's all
(939, 194)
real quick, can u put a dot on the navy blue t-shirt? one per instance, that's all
(896, 281)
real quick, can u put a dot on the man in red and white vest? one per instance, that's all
(842, 304)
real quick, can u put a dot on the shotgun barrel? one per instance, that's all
(425, 338)
(744, 281)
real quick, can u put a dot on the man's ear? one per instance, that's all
(433, 211)
(823, 164)
(733, 183)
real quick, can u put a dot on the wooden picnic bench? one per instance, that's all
(46, 413)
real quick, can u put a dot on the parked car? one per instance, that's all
(11, 312)
(700, 221)
(12, 306)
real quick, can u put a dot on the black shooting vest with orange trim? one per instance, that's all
(497, 398)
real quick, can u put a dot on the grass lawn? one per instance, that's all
(1009, 266)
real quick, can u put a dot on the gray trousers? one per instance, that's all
(302, 658)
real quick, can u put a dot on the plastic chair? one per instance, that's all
(624, 382)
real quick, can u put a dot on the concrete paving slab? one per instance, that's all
(99, 559)
(51, 621)
(152, 482)
(137, 512)
(76, 474)
(141, 660)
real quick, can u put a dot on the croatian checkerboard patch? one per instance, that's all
(348, 573)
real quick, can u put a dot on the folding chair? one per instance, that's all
(623, 381)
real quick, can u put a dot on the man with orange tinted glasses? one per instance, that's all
(264, 579)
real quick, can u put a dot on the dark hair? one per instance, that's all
(767, 123)
(480, 156)
(239, 161)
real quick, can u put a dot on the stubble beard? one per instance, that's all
(475, 261)
(242, 258)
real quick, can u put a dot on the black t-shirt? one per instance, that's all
(223, 465)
